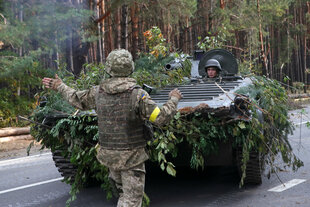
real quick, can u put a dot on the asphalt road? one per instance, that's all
(34, 181)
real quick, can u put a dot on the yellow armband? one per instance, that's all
(97, 147)
(154, 114)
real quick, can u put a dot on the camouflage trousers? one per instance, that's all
(131, 185)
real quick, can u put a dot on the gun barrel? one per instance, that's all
(173, 66)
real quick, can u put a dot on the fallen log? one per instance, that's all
(298, 96)
(5, 132)
(19, 137)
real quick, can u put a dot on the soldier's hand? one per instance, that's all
(51, 82)
(176, 93)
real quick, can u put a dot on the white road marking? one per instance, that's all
(287, 185)
(30, 185)
(22, 159)
(301, 123)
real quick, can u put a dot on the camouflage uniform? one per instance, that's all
(126, 165)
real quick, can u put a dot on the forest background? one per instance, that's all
(39, 38)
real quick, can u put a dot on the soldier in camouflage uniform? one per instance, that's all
(122, 108)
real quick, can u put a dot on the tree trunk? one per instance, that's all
(135, 31)
(20, 50)
(107, 31)
(296, 56)
(190, 37)
(182, 37)
(71, 64)
(222, 4)
(307, 44)
(263, 55)
(279, 57)
(186, 36)
(143, 39)
(18, 137)
(288, 53)
(4, 132)
(102, 26)
(124, 27)
(118, 29)
(177, 38)
(21, 19)
(305, 64)
(206, 17)
(271, 53)
(99, 25)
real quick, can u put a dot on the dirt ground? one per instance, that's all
(18, 148)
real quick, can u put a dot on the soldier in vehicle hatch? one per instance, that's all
(122, 108)
(213, 68)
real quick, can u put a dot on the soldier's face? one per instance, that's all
(212, 72)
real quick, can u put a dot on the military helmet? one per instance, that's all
(213, 63)
(119, 63)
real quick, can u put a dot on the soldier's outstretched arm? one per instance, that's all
(159, 115)
(83, 100)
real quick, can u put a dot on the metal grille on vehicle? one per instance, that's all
(196, 92)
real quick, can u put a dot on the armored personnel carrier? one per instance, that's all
(216, 97)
